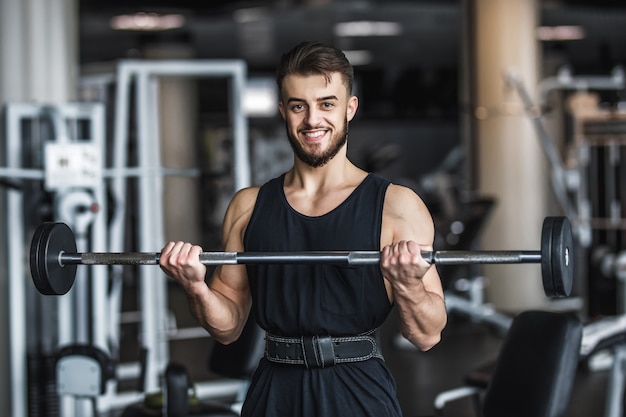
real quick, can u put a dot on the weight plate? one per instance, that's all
(546, 256)
(37, 258)
(49, 242)
(562, 257)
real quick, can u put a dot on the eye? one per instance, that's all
(297, 108)
(327, 105)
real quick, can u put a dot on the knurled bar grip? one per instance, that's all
(349, 258)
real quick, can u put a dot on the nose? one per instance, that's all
(313, 116)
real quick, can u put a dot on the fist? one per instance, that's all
(181, 261)
(402, 261)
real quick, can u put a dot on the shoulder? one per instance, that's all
(244, 200)
(400, 199)
(241, 205)
(406, 216)
(246, 194)
(237, 217)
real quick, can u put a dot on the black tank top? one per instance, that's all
(307, 300)
(320, 299)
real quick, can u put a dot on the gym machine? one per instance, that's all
(98, 220)
(590, 186)
(52, 171)
(144, 76)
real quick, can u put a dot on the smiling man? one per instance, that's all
(305, 116)
(322, 355)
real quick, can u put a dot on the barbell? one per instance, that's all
(53, 257)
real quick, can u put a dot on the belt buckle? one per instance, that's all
(318, 351)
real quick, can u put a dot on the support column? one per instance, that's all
(38, 63)
(504, 153)
(38, 50)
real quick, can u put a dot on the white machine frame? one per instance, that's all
(19, 296)
(145, 75)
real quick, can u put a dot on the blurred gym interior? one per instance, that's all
(135, 122)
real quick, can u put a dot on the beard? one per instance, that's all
(316, 160)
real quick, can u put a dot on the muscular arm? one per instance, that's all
(222, 306)
(412, 283)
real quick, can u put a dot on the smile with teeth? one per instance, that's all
(314, 135)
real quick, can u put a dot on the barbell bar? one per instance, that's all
(53, 257)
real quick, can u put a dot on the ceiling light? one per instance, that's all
(560, 33)
(367, 28)
(252, 14)
(147, 21)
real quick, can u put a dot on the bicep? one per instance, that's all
(232, 280)
(406, 217)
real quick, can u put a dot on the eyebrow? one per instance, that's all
(292, 99)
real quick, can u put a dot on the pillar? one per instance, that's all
(506, 160)
(38, 63)
(38, 50)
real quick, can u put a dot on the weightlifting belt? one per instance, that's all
(322, 351)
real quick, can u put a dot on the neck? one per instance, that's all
(338, 171)
(317, 191)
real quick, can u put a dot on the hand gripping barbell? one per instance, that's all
(53, 258)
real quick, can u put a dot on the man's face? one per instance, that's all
(316, 114)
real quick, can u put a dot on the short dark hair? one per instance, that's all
(314, 58)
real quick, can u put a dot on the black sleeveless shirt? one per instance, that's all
(320, 299)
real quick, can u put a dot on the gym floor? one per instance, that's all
(420, 376)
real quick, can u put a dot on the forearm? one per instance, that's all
(222, 307)
(220, 315)
(422, 314)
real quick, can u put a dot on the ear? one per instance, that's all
(353, 104)
(281, 109)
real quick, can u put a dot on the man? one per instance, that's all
(322, 354)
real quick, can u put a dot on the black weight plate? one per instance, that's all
(546, 256)
(37, 258)
(49, 241)
(562, 257)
